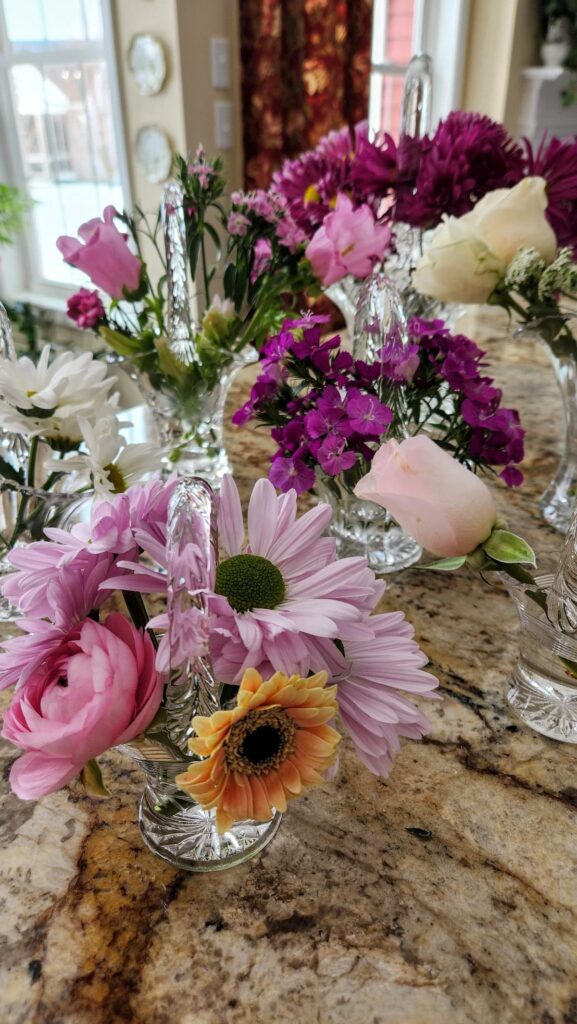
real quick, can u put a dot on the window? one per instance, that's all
(60, 128)
(402, 28)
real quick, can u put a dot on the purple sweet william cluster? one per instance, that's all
(496, 435)
(325, 411)
(328, 422)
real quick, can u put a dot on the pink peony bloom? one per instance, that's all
(97, 689)
(86, 309)
(103, 255)
(436, 500)
(348, 242)
(267, 606)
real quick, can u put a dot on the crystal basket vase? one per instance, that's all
(558, 500)
(172, 824)
(191, 427)
(189, 414)
(362, 527)
(542, 687)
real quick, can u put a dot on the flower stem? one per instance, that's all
(30, 476)
(138, 613)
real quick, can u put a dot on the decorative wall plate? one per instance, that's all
(147, 63)
(154, 153)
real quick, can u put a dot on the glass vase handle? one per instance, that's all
(192, 552)
(179, 326)
(416, 108)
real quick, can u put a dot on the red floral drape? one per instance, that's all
(305, 70)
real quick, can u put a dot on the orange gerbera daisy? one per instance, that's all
(268, 749)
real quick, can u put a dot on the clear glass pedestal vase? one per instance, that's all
(363, 528)
(179, 830)
(190, 423)
(542, 687)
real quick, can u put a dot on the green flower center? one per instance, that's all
(250, 581)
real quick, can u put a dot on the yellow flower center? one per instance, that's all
(312, 195)
(116, 478)
(260, 742)
(250, 581)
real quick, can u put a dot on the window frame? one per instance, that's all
(20, 276)
(439, 30)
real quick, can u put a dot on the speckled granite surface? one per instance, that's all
(445, 895)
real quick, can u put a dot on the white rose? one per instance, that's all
(457, 266)
(469, 255)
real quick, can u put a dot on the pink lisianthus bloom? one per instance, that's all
(86, 309)
(103, 255)
(350, 241)
(436, 500)
(97, 689)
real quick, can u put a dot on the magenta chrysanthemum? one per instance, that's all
(468, 156)
(556, 161)
(310, 183)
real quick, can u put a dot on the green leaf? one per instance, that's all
(445, 564)
(506, 547)
(91, 778)
(118, 342)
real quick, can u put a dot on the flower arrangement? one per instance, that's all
(328, 411)
(62, 439)
(355, 195)
(291, 628)
(255, 270)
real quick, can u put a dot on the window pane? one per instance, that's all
(42, 24)
(65, 129)
(399, 31)
(24, 23)
(386, 103)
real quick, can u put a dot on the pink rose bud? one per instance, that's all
(94, 690)
(103, 255)
(436, 500)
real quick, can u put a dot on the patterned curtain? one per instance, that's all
(305, 70)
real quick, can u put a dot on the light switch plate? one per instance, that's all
(223, 124)
(220, 62)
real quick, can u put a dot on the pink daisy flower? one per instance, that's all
(372, 677)
(284, 586)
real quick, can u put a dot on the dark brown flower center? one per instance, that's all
(260, 742)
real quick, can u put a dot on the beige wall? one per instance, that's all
(184, 107)
(502, 39)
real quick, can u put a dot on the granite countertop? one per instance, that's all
(446, 894)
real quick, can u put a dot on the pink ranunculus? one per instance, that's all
(349, 241)
(97, 689)
(103, 255)
(86, 309)
(436, 500)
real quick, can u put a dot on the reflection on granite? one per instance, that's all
(444, 895)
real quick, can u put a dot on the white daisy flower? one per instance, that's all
(49, 398)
